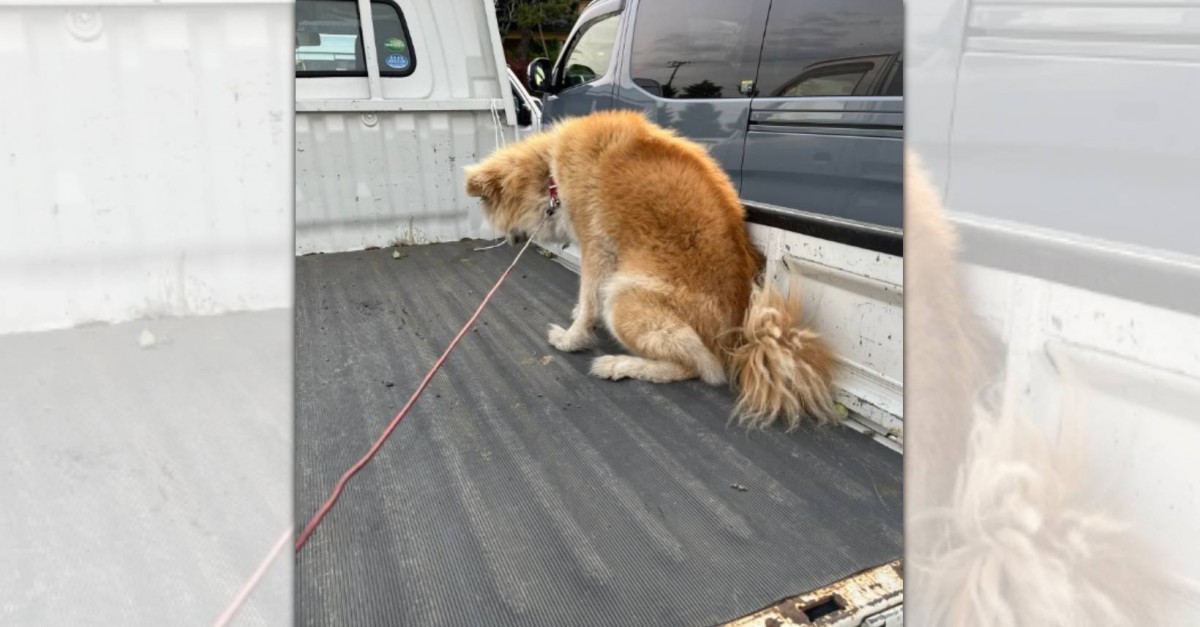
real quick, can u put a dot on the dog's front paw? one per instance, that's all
(569, 340)
(556, 335)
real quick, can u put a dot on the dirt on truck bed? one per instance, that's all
(521, 491)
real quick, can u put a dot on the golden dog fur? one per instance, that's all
(667, 264)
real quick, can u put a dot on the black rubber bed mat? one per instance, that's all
(521, 491)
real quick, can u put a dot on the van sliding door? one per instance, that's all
(827, 119)
(691, 66)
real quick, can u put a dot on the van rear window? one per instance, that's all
(697, 48)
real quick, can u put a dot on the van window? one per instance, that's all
(831, 48)
(591, 53)
(697, 48)
(329, 39)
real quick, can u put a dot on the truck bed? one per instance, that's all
(520, 490)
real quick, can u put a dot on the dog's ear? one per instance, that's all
(482, 181)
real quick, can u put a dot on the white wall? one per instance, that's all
(149, 160)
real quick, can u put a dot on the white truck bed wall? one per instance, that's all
(383, 163)
(855, 299)
(123, 207)
(1129, 374)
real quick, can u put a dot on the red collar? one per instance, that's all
(554, 201)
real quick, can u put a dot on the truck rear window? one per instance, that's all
(393, 45)
(329, 40)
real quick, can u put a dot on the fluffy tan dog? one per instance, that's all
(667, 264)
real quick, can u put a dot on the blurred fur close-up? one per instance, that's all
(1005, 526)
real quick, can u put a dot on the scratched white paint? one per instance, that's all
(854, 298)
(146, 154)
(375, 169)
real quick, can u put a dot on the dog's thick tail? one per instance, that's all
(780, 370)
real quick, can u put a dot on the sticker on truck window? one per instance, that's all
(397, 61)
(395, 44)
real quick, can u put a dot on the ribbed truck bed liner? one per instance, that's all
(521, 491)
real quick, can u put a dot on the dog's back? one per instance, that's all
(666, 206)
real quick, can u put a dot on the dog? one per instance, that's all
(667, 265)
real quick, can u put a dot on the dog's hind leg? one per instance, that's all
(667, 348)
(618, 367)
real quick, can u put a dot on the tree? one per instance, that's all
(703, 89)
(530, 16)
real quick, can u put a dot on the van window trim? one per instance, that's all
(863, 235)
(896, 64)
(866, 83)
(557, 74)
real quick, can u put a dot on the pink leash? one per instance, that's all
(302, 539)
